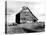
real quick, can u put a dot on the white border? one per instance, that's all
(2, 20)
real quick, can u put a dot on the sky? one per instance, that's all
(36, 7)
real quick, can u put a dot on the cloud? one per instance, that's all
(10, 11)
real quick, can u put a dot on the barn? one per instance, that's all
(25, 15)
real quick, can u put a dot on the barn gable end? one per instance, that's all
(25, 15)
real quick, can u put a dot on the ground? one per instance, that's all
(24, 28)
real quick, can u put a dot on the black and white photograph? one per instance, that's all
(24, 17)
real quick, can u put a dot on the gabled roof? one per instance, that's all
(25, 8)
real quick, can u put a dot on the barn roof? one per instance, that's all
(25, 8)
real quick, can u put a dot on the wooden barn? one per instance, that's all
(25, 15)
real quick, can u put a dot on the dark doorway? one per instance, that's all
(18, 18)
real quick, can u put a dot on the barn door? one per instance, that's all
(18, 18)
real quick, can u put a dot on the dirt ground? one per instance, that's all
(24, 28)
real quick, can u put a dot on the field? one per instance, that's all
(25, 28)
